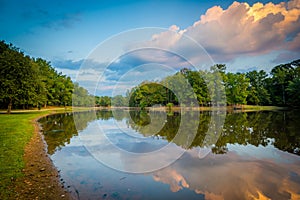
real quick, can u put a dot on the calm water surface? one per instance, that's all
(188, 155)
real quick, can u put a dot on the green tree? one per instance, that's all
(281, 76)
(17, 76)
(103, 101)
(81, 97)
(182, 90)
(215, 80)
(293, 91)
(195, 78)
(119, 101)
(47, 76)
(66, 91)
(236, 88)
(257, 90)
(27, 82)
(147, 94)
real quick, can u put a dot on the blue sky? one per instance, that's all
(58, 30)
(242, 35)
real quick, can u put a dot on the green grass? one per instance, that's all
(255, 108)
(16, 131)
(243, 108)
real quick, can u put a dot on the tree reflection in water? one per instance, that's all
(243, 164)
(256, 128)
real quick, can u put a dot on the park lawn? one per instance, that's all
(15, 132)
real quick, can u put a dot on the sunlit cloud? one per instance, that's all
(173, 178)
(232, 177)
(242, 33)
(240, 29)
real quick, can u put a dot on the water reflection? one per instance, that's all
(281, 129)
(60, 128)
(233, 177)
(254, 156)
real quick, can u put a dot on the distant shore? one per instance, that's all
(235, 108)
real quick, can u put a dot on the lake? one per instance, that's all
(123, 154)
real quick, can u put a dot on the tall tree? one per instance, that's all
(195, 78)
(293, 91)
(257, 90)
(16, 76)
(47, 77)
(27, 82)
(81, 97)
(183, 92)
(281, 75)
(215, 79)
(236, 88)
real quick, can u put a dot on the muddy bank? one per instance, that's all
(41, 179)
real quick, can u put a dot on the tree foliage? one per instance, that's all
(236, 88)
(281, 87)
(258, 92)
(27, 82)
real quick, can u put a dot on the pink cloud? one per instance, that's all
(231, 177)
(240, 29)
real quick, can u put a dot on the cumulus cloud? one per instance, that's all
(240, 29)
(233, 35)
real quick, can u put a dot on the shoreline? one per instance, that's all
(41, 179)
(237, 108)
(230, 109)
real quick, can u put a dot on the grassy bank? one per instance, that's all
(241, 108)
(258, 108)
(16, 131)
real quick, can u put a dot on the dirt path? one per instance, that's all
(41, 179)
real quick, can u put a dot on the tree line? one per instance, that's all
(27, 82)
(280, 87)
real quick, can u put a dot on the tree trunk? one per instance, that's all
(9, 106)
(283, 95)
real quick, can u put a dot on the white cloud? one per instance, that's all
(240, 29)
(243, 36)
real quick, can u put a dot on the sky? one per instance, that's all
(101, 44)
